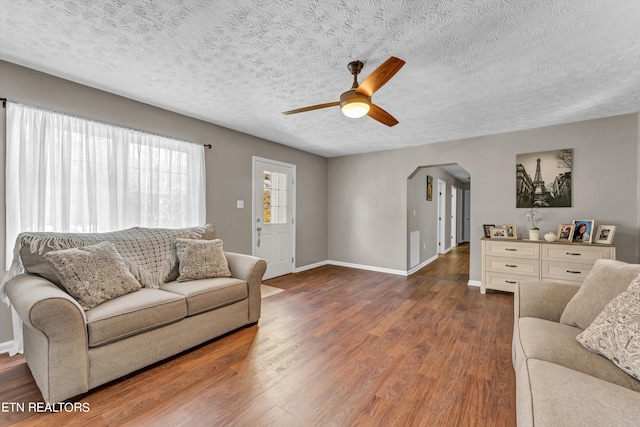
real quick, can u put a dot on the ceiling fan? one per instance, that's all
(356, 102)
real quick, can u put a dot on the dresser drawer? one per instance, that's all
(575, 253)
(513, 266)
(505, 248)
(501, 282)
(571, 272)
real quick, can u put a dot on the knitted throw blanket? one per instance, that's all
(150, 253)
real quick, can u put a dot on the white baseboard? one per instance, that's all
(368, 267)
(377, 269)
(310, 266)
(424, 264)
(5, 347)
(350, 265)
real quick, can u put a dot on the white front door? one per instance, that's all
(274, 209)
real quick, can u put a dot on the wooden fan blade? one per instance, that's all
(380, 76)
(382, 116)
(313, 107)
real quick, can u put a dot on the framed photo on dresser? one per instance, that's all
(583, 231)
(565, 232)
(605, 234)
(512, 232)
(487, 229)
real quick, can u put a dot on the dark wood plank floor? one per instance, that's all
(340, 347)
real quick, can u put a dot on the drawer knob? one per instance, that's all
(574, 272)
(511, 282)
(574, 253)
(510, 250)
(510, 265)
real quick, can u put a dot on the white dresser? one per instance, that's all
(507, 262)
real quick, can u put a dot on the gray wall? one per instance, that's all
(368, 192)
(367, 195)
(228, 164)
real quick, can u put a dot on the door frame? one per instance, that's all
(254, 218)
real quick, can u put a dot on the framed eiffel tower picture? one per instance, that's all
(543, 179)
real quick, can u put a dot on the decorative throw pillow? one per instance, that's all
(615, 333)
(606, 280)
(201, 259)
(92, 274)
(209, 234)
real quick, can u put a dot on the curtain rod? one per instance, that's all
(4, 105)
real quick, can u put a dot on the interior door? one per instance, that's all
(460, 215)
(274, 206)
(467, 215)
(454, 216)
(442, 200)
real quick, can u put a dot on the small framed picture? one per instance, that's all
(565, 232)
(487, 229)
(512, 232)
(583, 231)
(429, 188)
(498, 233)
(605, 234)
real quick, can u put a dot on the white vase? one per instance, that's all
(534, 234)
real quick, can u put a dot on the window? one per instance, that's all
(69, 174)
(275, 198)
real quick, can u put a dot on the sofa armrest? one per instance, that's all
(27, 291)
(543, 300)
(250, 269)
(55, 336)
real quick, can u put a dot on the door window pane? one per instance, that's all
(274, 198)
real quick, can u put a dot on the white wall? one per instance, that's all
(368, 192)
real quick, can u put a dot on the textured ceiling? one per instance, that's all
(473, 67)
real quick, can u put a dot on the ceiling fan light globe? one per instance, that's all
(354, 104)
(355, 109)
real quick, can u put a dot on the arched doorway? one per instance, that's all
(432, 219)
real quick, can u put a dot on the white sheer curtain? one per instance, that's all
(69, 174)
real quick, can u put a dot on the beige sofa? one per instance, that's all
(558, 381)
(71, 350)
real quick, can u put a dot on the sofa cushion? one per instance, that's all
(208, 294)
(132, 314)
(556, 343)
(615, 333)
(605, 281)
(564, 397)
(92, 274)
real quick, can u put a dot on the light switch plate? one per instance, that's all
(240, 204)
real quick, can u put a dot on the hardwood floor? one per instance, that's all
(340, 347)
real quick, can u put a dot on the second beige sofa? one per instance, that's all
(558, 381)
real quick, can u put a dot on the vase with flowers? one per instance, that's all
(534, 218)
